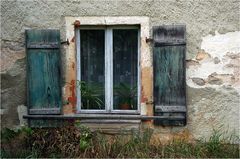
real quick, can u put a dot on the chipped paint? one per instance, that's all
(219, 45)
(218, 63)
(147, 89)
(214, 85)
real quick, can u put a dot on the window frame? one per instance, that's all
(108, 53)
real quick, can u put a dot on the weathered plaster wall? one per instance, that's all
(215, 80)
(212, 52)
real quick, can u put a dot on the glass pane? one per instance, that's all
(92, 69)
(125, 70)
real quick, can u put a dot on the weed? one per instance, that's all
(79, 141)
(15, 143)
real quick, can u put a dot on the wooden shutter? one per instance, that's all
(43, 71)
(169, 74)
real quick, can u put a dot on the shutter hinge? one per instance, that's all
(65, 42)
(149, 40)
(76, 23)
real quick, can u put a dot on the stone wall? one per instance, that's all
(213, 53)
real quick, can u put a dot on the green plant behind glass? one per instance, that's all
(126, 93)
(90, 95)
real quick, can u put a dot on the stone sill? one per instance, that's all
(103, 116)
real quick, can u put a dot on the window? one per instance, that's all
(108, 69)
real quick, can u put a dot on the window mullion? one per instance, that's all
(139, 74)
(108, 69)
(78, 49)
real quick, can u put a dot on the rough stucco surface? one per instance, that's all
(213, 109)
(213, 97)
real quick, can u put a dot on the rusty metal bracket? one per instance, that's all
(76, 23)
(65, 42)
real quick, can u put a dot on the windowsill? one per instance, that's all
(103, 116)
(116, 112)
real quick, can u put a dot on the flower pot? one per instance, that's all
(125, 106)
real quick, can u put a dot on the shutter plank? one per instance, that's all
(50, 45)
(43, 71)
(172, 109)
(169, 35)
(169, 73)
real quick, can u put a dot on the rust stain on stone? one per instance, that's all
(72, 99)
(143, 98)
(76, 23)
(73, 39)
(147, 89)
(68, 109)
(69, 91)
(147, 83)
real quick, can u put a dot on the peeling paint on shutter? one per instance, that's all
(169, 73)
(43, 71)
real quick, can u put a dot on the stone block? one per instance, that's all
(22, 110)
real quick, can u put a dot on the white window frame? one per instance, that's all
(108, 69)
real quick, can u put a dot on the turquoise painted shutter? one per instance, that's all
(169, 74)
(43, 71)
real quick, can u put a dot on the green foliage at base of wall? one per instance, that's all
(79, 141)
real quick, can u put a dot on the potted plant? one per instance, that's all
(126, 94)
(90, 95)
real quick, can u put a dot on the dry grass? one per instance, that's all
(78, 142)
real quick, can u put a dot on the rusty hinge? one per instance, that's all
(65, 42)
(76, 23)
(149, 40)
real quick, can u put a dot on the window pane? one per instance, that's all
(125, 70)
(92, 69)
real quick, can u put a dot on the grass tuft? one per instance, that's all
(79, 141)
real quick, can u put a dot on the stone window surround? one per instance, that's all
(146, 77)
